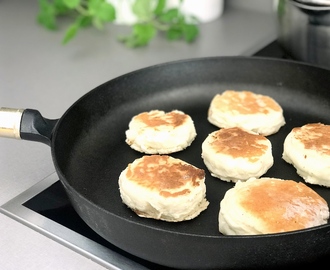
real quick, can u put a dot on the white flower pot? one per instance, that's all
(203, 10)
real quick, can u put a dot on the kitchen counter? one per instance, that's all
(36, 71)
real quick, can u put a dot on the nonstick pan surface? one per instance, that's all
(89, 152)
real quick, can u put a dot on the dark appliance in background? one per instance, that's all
(304, 30)
(273, 50)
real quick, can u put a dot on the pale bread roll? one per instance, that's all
(270, 205)
(245, 109)
(164, 188)
(157, 132)
(307, 148)
(233, 154)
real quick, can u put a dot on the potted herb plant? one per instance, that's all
(146, 18)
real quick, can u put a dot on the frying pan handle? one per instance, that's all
(26, 124)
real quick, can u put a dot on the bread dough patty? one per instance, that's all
(233, 154)
(157, 132)
(270, 205)
(245, 109)
(307, 148)
(164, 188)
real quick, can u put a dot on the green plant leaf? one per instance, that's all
(141, 35)
(174, 33)
(106, 12)
(145, 32)
(143, 9)
(72, 30)
(47, 15)
(60, 7)
(85, 21)
(190, 32)
(70, 33)
(93, 6)
(71, 3)
(169, 15)
(161, 4)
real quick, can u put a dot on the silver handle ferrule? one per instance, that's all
(10, 122)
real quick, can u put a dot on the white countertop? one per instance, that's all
(37, 72)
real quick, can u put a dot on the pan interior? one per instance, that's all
(93, 152)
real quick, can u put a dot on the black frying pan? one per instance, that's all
(89, 152)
